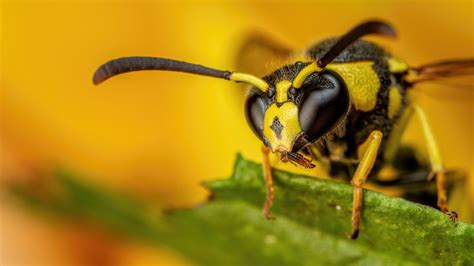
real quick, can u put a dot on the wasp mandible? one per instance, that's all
(343, 100)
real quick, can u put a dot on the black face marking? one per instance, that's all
(277, 127)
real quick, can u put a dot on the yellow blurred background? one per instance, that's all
(158, 135)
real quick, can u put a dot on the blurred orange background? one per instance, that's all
(158, 135)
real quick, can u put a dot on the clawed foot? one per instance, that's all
(441, 189)
(453, 216)
(354, 234)
(267, 214)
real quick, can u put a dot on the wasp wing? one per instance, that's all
(443, 71)
(259, 54)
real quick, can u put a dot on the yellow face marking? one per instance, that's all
(250, 79)
(396, 65)
(281, 134)
(304, 73)
(282, 88)
(362, 82)
(394, 102)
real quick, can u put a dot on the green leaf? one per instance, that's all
(312, 219)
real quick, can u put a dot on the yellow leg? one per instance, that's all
(363, 170)
(393, 142)
(437, 168)
(267, 173)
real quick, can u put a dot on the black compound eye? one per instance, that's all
(254, 113)
(324, 104)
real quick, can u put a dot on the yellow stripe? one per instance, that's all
(394, 102)
(282, 88)
(396, 65)
(362, 82)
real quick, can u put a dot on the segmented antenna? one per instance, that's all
(137, 63)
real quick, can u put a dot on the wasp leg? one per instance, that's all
(413, 185)
(267, 173)
(363, 170)
(437, 168)
(393, 142)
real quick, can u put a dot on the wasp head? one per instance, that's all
(302, 104)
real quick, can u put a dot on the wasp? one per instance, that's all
(343, 100)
